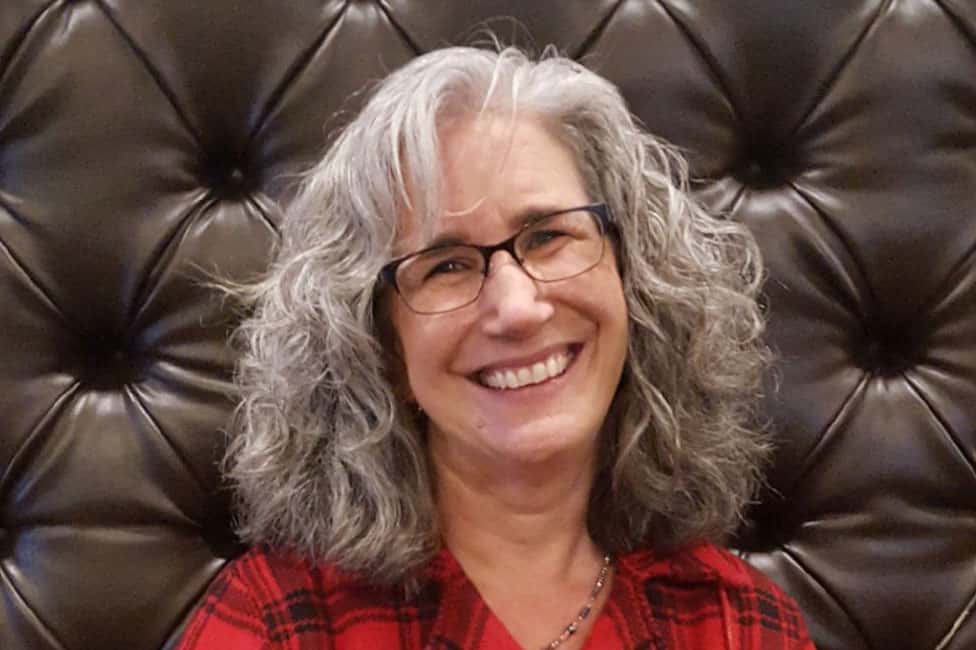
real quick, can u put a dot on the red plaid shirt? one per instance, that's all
(701, 598)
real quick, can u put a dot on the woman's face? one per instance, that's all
(495, 176)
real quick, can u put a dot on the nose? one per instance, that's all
(511, 303)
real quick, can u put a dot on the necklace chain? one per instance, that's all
(584, 612)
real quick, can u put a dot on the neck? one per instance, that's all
(531, 520)
(520, 535)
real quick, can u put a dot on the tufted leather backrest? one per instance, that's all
(146, 145)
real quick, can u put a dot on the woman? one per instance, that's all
(496, 386)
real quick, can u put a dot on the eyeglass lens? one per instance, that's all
(553, 248)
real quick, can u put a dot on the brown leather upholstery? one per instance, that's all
(145, 144)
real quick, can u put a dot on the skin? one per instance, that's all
(514, 468)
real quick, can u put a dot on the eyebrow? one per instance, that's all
(523, 218)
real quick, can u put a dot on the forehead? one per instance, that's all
(495, 171)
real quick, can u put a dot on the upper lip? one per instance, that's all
(524, 360)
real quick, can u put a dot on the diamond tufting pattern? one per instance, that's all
(145, 146)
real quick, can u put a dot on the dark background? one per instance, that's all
(145, 144)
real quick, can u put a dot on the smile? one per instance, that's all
(536, 373)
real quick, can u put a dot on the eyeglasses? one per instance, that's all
(556, 246)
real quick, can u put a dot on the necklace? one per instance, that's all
(574, 625)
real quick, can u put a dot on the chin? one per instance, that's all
(523, 446)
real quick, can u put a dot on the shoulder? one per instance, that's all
(266, 573)
(268, 599)
(696, 564)
(704, 582)
(278, 580)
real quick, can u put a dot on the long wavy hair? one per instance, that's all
(325, 457)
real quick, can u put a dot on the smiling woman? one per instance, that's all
(497, 175)
(501, 362)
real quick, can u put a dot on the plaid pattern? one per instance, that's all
(700, 598)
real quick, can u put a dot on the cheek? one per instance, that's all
(424, 352)
(612, 318)
(615, 282)
(415, 366)
(609, 291)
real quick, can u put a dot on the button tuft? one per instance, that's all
(228, 177)
(108, 364)
(765, 165)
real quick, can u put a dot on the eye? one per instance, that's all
(538, 238)
(449, 266)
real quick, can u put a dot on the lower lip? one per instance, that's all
(537, 390)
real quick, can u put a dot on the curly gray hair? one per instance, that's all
(327, 460)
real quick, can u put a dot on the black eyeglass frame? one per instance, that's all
(599, 211)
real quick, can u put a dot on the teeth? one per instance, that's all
(537, 373)
(552, 366)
